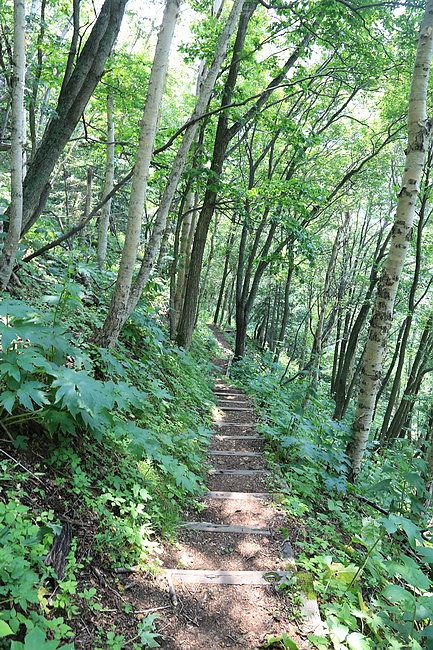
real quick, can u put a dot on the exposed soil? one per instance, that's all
(238, 462)
(237, 445)
(213, 617)
(227, 483)
(216, 616)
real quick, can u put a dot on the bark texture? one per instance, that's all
(118, 310)
(72, 101)
(419, 131)
(204, 94)
(10, 246)
(108, 185)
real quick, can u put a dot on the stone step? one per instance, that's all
(237, 496)
(249, 454)
(207, 527)
(203, 577)
(238, 472)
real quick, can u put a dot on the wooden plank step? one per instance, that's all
(235, 424)
(203, 577)
(238, 472)
(207, 527)
(237, 438)
(236, 496)
(250, 454)
(235, 408)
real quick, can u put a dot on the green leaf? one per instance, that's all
(30, 392)
(7, 400)
(410, 572)
(426, 553)
(320, 642)
(357, 641)
(5, 630)
(397, 594)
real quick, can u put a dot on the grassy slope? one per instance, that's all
(106, 445)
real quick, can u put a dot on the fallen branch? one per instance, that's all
(371, 503)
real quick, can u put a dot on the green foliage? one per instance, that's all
(122, 434)
(24, 541)
(369, 571)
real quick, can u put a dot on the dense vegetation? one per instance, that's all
(267, 167)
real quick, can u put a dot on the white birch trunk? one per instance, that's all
(118, 310)
(419, 131)
(204, 93)
(10, 247)
(104, 220)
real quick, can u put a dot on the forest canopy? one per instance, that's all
(262, 165)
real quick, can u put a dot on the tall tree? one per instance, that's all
(104, 220)
(73, 98)
(10, 246)
(419, 130)
(118, 310)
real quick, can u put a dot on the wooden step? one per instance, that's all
(207, 527)
(227, 401)
(203, 577)
(238, 472)
(235, 424)
(222, 438)
(235, 408)
(229, 392)
(249, 454)
(236, 496)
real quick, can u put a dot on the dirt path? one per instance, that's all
(228, 563)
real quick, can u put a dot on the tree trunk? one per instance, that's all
(418, 137)
(118, 310)
(104, 219)
(349, 345)
(226, 271)
(205, 90)
(72, 101)
(286, 308)
(223, 136)
(10, 246)
(417, 371)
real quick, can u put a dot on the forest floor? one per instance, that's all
(225, 587)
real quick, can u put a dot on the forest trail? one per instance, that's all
(225, 567)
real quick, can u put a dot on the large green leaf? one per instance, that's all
(397, 594)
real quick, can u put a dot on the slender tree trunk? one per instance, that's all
(118, 310)
(72, 101)
(286, 308)
(10, 246)
(418, 369)
(224, 276)
(223, 136)
(316, 352)
(349, 344)
(419, 129)
(180, 262)
(88, 198)
(205, 90)
(104, 219)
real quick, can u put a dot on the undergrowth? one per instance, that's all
(371, 569)
(107, 444)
